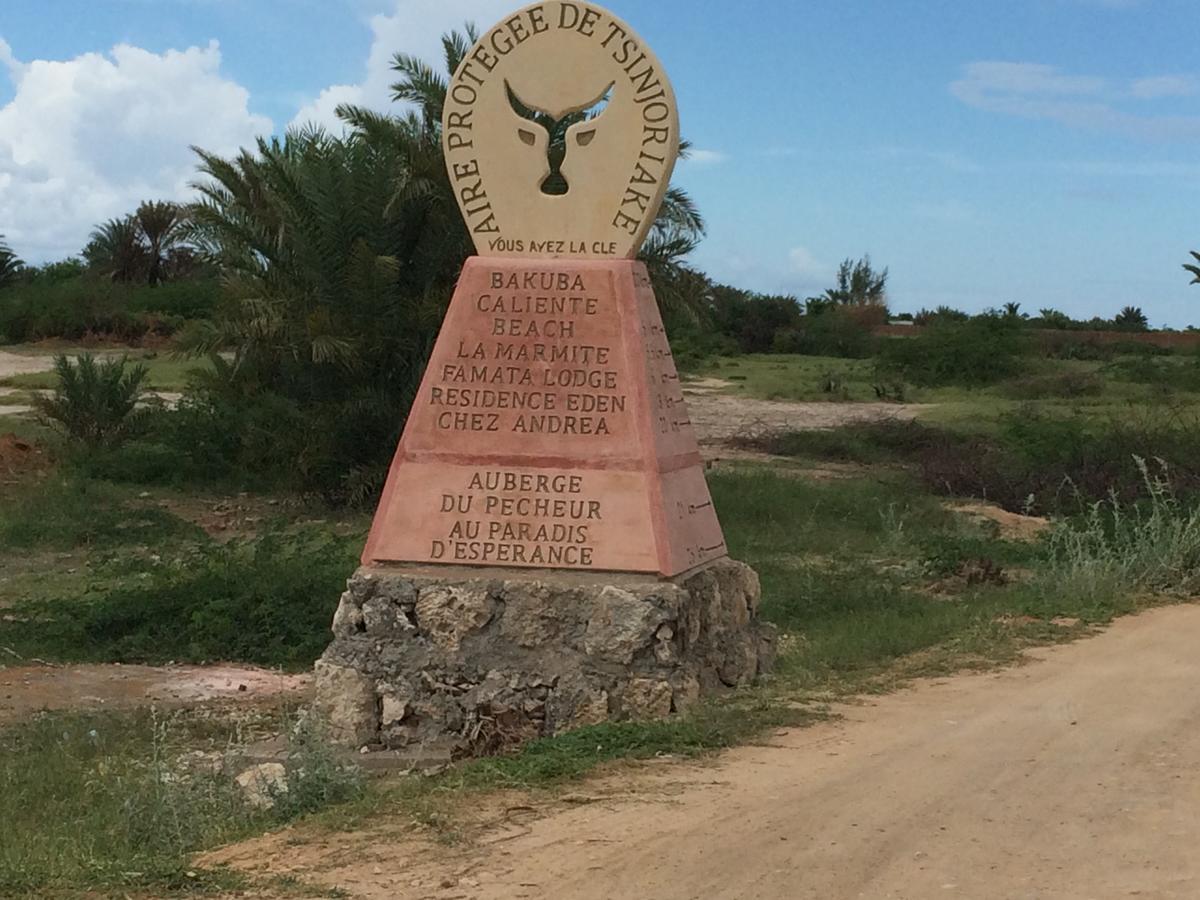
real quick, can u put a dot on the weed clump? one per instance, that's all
(267, 600)
(1034, 463)
(117, 804)
(975, 353)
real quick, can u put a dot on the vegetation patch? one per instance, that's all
(266, 600)
(117, 804)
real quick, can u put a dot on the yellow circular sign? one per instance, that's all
(561, 132)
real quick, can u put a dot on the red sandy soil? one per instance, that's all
(29, 689)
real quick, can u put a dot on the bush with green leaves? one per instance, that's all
(267, 600)
(96, 403)
(77, 307)
(1115, 546)
(1034, 463)
(979, 352)
(118, 804)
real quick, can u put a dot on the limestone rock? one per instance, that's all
(348, 620)
(621, 625)
(392, 710)
(447, 614)
(262, 785)
(533, 615)
(462, 660)
(685, 693)
(591, 708)
(646, 699)
(345, 699)
(383, 617)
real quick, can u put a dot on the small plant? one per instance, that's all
(1065, 385)
(1115, 546)
(96, 403)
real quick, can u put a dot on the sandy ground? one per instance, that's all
(28, 689)
(718, 416)
(11, 399)
(16, 364)
(1077, 776)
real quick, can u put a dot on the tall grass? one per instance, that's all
(267, 600)
(1152, 546)
(102, 805)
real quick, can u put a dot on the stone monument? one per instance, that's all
(546, 554)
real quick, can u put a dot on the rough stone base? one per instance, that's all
(483, 659)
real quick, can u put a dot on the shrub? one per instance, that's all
(267, 601)
(891, 440)
(1036, 463)
(844, 332)
(1065, 345)
(1153, 545)
(752, 320)
(980, 352)
(116, 805)
(1065, 385)
(1166, 375)
(77, 308)
(95, 403)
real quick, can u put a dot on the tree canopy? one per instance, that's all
(10, 265)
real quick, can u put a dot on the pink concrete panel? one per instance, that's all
(519, 517)
(550, 432)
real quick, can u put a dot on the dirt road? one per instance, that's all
(719, 416)
(1077, 776)
(28, 689)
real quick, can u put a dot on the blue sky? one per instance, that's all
(1039, 151)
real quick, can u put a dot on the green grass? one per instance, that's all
(166, 372)
(856, 573)
(105, 804)
(68, 513)
(863, 576)
(795, 378)
(267, 600)
(556, 762)
(976, 410)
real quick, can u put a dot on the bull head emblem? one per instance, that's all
(556, 133)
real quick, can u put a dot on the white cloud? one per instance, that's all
(802, 262)
(9, 61)
(947, 212)
(1165, 86)
(416, 28)
(946, 159)
(1035, 91)
(86, 139)
(706, 157)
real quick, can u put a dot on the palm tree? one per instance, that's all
(676, 232)
(340, 255)
(115, 250)
(10, 265)
(1131, 318)
(335, 293)
(858, 284)
(1195, 270)
(148, 245)
(161, 228)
